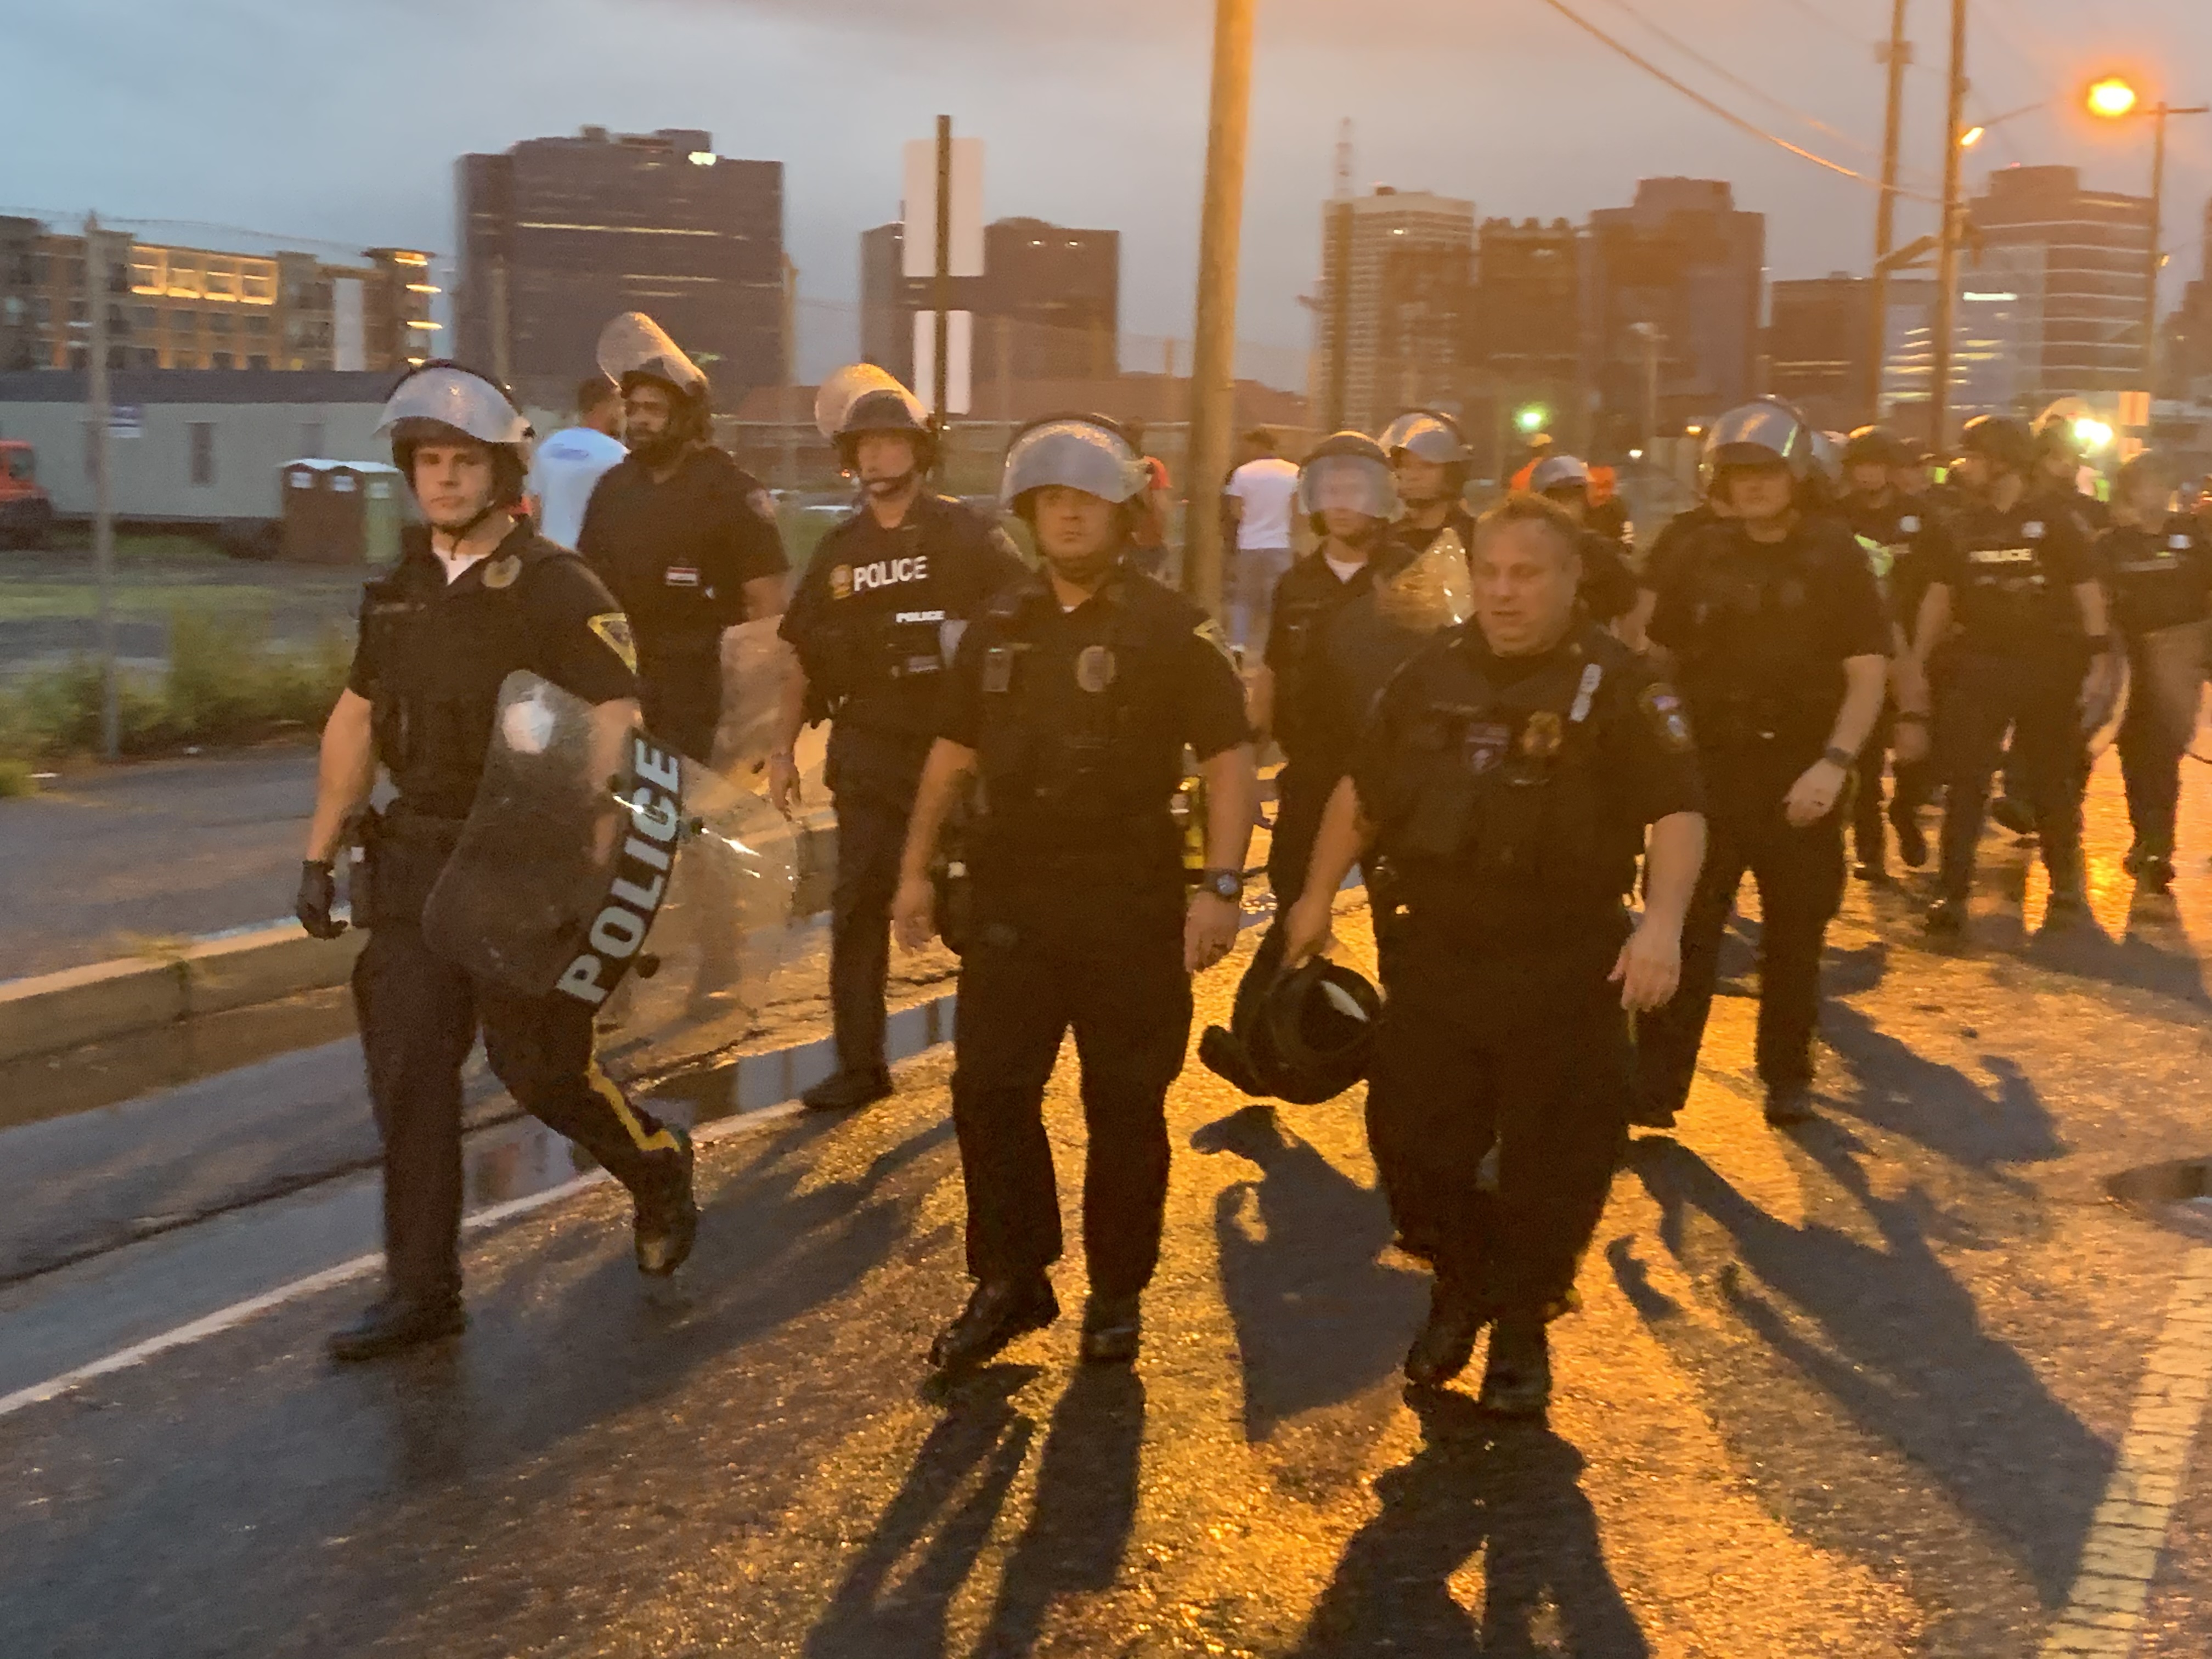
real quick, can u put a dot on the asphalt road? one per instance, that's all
(1862, 1389)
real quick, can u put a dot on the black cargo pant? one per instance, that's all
(2165, 674)
(680, 690)
(873, 777)
(1800, 874)
(1528, 1053)
(419, 1016)
(1105, 962)
(2038, 698)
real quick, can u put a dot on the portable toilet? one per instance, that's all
(343, 512)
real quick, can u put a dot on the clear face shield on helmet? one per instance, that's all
(834, 402)
(1425, 437)
(1348, 483)
(1073, 454)
(458, 399)
(633, 343)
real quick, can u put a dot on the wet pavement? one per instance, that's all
(1909, 1381)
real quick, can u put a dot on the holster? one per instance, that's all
(401, 860)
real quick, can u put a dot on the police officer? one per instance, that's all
(872, 625)
(2032, 651)
(1776, 629)
(1508, 776)
(1907, 538)
(2059, 458)
(684, 537)
(2157, 565)
(477, 598)
(1609, 594)
(1430, 456)
(1072, 701)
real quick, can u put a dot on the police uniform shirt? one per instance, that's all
(1512, 724)
(678, 554)
(1678, 533)
(1080, 718)
(2159, 578)
(2012, 575)
(1307, 596)
(1917, 543)
(433, 654)
(1761, 631)
(1608, 586)
(868, 617)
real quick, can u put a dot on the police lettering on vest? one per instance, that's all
(847, 580)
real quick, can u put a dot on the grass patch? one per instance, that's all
(224, 684)
(17, 777)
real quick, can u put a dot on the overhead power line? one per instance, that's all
(1720, 110)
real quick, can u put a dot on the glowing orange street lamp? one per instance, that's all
(2114, 97)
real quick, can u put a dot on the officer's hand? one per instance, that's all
(1648, 968)
(1910, 745)
(318, 890)
(2099, 692)
(913, 912)
(1814, 795)
(1208, 932)
(783, 787)
(1305, 931)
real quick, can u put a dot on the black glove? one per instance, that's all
(318, 890)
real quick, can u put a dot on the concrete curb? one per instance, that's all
(105, 1000)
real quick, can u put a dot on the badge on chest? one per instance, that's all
(1095, 668)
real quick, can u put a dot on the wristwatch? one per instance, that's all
(1835, 756)
(1226, 884)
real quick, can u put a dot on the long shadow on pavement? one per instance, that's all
(1510, 1491)
(1318, 1320)
(1903, 1352)
(1938, 1106)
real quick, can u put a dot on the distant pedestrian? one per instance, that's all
(1262, 495)
(1148, 532)
(569, 464)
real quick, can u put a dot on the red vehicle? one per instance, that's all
(25, 514)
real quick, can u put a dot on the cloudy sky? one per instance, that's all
(340, 122)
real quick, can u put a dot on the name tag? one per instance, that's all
(2179, 544)
(680, 575)
(1908, 527)
(2032, 530)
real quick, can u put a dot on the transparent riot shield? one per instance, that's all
(565, 857)
(754, 663)
(1434, 593)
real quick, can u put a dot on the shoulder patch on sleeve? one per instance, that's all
(1210, 631)
(613, 628)
(1669, 721)
(763, 504)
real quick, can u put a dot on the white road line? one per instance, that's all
(360, 1266)
(2104, 1612)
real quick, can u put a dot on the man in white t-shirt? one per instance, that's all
(1261, 496)
(568, 465)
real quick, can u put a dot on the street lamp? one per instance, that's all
(2115, 98)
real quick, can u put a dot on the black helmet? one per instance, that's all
(2001, 440)
(2056, 434)
(1348, 470)
(634, 349)
(861, 398)
(1302, 1037)
(1872, 446)
(442, 401)
(1427, 434)
(1762, 433)
(1087, 452)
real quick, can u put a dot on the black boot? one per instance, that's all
(848, 1091)
(1947, 917)
(394, 1322)
(2014, 813)
(1517, 1380)
(1112, 1327)
(998, 1311)
(1911, 840)
(1788, 1105)
(1447, 1342)
(667, 1214)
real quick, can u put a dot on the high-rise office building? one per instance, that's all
(2186, 358)
(184, 307)
(1997, 340)
(557, 235)
(1684, 260)
(1396, 298)
(2082, 257)
(1049, 299)
(1819, 332)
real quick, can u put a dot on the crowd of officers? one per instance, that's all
(1513, 724)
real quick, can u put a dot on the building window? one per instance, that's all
(311, 438)
(145, 357)
(226, 360)
(256, 363)
(203, 440)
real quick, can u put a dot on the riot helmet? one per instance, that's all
(635, 351)
(1429, 438)
(1347, 472)
(1087, 452)
(1558, 473)
(1765, 432)
(861, 399)
(442, 402)
(2001, 441)
(1302, 1037)
(1875, 446)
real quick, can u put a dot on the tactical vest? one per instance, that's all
(1305, 625)
(440, 658)
(1494, 803)
(1753, 670)
(2158, 578)
(887, 622)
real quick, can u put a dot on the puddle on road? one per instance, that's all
(2176, 1195)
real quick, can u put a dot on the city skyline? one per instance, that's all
(1553, 125)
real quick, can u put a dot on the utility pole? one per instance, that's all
(1898, 56)
(789, 401)
(941, 292)
(1947, 241)
(103, 489)
(1650, 334)
(1213, 349)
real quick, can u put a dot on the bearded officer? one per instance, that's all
(684, 537)
(478, 597)
(872, 625)
(1072, 701)
(1508, 776)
